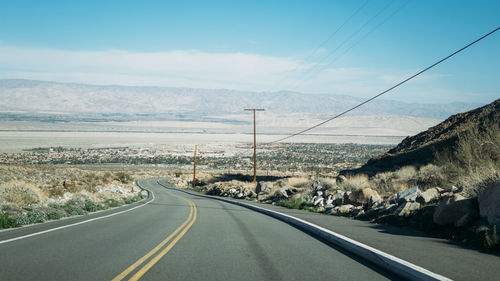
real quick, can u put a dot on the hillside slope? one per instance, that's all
(464, 137)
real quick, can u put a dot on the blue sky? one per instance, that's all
(258, 45)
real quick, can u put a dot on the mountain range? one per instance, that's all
(30, 96)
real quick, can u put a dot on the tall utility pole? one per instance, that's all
(194, 166)
(254, 143)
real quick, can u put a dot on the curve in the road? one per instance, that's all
(180, 231)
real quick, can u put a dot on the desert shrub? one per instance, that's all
(55, 214)
(19, 194)
(130, 200)
(36, 216)
(384, 182)
(123, 177)
(292, 203)
(6, 221)
(299, 182)
(429, 176)
(75, 207)
(354, 183)
(407, 173)
(113, 203)
(328, 182)
(90, 206)
(56, 190)
(20, 219)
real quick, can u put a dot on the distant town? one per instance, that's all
(300, 158)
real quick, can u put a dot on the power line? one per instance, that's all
(318, 65)
(331, 35)
(363, 37)
(391, 88)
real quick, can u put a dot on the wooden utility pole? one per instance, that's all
(254, 143)
(194, 166)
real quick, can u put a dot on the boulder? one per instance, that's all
(321, 209)
(378, 204)
(338, 199)
(390, 207)
(264, 186)
(358, 212)
(489, 203)
(332, 211)
(427, 196)
(318, 201)
(346, 197)
(456, 210)
(345, 208)
(406, 208)
(316, 185)
(329, 206)
(409, 195)
(283, 192)
(331, 191)
(363, 196)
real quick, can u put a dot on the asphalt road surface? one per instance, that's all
(175, 236)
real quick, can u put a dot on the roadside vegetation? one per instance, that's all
(35, 194)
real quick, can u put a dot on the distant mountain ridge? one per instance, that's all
(42, 96)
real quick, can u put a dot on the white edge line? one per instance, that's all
(380, 258)
(78, 223)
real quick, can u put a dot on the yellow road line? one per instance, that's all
(191, 219)
(154, 260)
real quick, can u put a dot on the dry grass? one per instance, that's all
(299, 182)
(354, 183)
(328, 182)
(475, 161)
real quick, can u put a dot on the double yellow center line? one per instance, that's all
(178, 233)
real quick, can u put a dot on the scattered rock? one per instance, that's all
(406, 208)
(390, 207)
(318, 201)
(345, 208)
(428, 196)
(320, 209)
(409, 195)
(316, 185)
(338, 199)
(283, 192)
(456, 210)
(489, 203)
(346, 197)
(358, 212)
(363, 196)
(264, 186)
(378, 204)
(329, 206)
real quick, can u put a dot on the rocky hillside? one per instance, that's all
(476, 130)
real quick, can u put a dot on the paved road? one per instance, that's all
(176, 237)
(437, 255)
